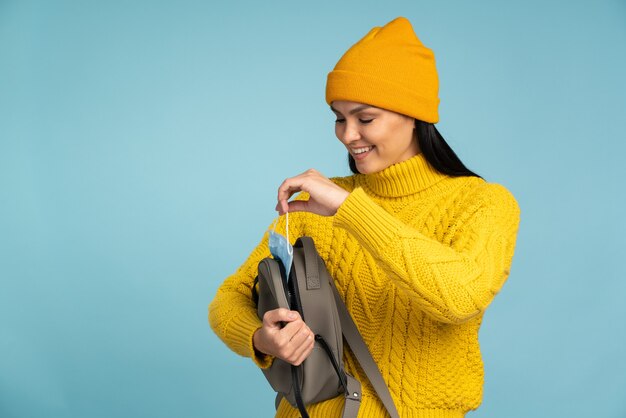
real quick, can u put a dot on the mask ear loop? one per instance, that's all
(289, 247)
(273, 227)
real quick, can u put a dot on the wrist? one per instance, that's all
(343, 195)
(256, 343)
(259, 357)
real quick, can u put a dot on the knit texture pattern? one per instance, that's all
(417, 256)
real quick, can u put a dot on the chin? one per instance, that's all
(367, 169)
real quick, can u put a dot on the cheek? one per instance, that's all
(338, 131)
(406, 132)
(405, 125)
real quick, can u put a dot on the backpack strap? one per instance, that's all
(311, 267)
(354, 339)
(353, 398)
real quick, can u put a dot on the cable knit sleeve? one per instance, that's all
(451, 282)
(232, 313)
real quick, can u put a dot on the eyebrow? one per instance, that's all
(353, 111)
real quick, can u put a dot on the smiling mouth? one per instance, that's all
(360, 153)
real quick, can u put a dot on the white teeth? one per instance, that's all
(361, 150)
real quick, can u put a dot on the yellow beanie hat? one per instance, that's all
(389, 68)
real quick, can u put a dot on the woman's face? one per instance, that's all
(376, 138)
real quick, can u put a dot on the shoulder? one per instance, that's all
(495, 198)
(497, 195)
(465, 197)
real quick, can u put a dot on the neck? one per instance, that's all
(404, 178)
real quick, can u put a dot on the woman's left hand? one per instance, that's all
(325, 196)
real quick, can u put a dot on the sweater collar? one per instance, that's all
(404, 178)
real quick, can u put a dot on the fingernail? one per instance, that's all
(292, 315)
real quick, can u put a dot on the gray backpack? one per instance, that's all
(310, 290)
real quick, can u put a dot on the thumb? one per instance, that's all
(274, 317)
(283, 206)
(299, 206)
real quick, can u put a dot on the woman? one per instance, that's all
(417, 244)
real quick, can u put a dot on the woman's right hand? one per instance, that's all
(292, 342)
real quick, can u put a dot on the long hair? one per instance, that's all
(436, 151)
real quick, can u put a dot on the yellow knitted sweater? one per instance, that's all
(417, 256)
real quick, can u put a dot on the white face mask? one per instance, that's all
(281, 248)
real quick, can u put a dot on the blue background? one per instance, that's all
(141, 145)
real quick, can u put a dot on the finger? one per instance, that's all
(290, 330)
(293, 185)
(306, 351)
(301, 337)
(298, 346)
(287, 189)
(275, 316)
(282, 207)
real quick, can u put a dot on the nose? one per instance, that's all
(349, 133)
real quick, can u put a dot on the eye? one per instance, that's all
(340, 120)
(365, 121)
